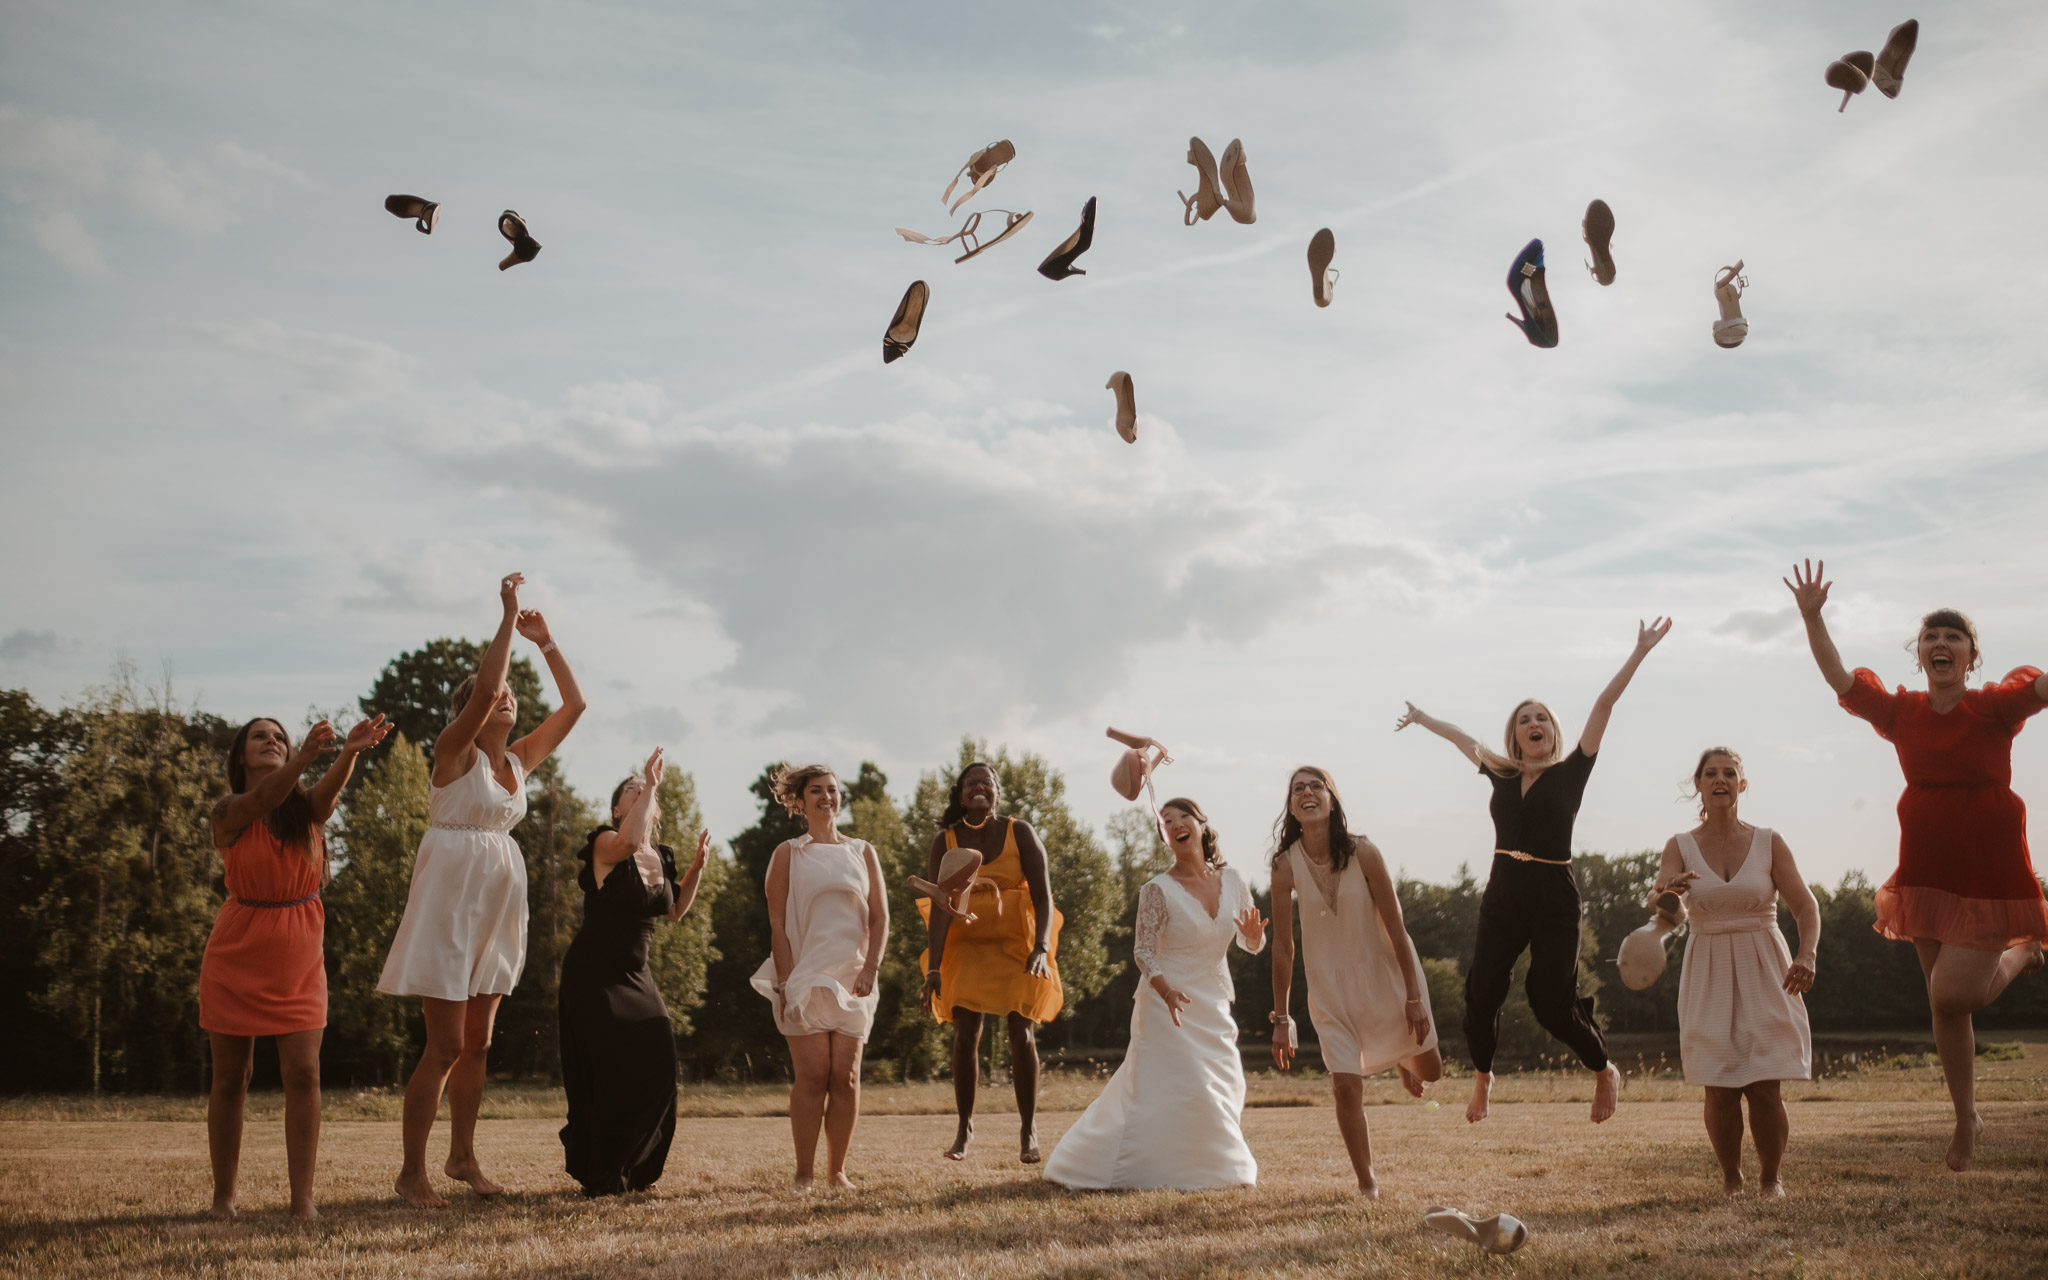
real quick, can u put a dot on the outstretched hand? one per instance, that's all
(531, 625)
(651, 773)
(1809, 592)
(365, 734)
(1647, 635)
(508, 591)
(319, 740)
(703, 850)
(1251, 926)
(1413, 715)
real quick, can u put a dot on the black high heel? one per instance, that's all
(524, 247)
(1059, 264)
(425, 212)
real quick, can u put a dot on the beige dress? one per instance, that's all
(1736, 1022)
(1357, 997)
(825, 918)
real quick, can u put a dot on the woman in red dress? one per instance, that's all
(1964, 894)
(264, 973)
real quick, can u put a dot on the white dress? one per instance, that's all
(1169, 1116)
(1736, 1022)
(1357, 994)
(464, 931)
(825, 918)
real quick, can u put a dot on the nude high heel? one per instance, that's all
(1322, 249)
(1889, 72)
(904, 325)
(425, 212)
(1126, 405)
(1732, 327)
(980, 170)
(1643, 958)
(1850, 74)
(1207, 199)
(958, 877)
(1237, 182)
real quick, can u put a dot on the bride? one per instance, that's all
(1169, 1117)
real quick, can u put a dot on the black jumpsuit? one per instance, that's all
(618, 1049)
(1532, 906)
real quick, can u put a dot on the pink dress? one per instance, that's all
(265, 971)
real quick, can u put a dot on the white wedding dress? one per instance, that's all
(1169, 1116)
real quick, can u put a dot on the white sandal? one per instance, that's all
(1733, 326)
(1322, 247)
(982, 168)
(968, 233)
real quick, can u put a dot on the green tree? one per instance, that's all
(1103, 1020)
(369, 1035)
(34, 746)
(906, 1043)
(413, 689)
(683, 952)
(557, 824)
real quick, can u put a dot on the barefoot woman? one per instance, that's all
(1741, 1001)
(264, 973)
(462, 943)
(1964, 894)
(1001, 962)
(1531, 902)
(1366, 995)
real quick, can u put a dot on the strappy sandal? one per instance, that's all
(1208, 197)
(1237, 182)
(1322, 247)
(1525, 280)
(1059, 264)
(524, 247)
(981, 169)
(1890, 68)
(425, 212)
(1126, 405)
(903, 326)
(1598, 227)
(959, 874)
(1850, 74)
(1134, 769)
(1732, 327)
(968, 234)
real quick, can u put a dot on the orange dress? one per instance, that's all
(983, 968)
(265, 973)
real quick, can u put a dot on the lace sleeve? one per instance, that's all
(1151, 923)
(1244, 901)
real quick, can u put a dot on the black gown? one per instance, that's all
(618, 1049)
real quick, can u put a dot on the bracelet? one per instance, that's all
(549, 647)
(1417, 1000)
(1278, 1019)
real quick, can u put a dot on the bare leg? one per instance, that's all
(298, 1056)
(810, 1060)
(1420, 1071)
(466, 1095)
(1606, 1092)
(843, 1111)
(1960, 981)
(423, 1098)
(1348, 1089)
(1024, 1075)
(233, 1058)
(1482, 1097)
(1724, 1132)
(1771, 1129)
(966, 1074)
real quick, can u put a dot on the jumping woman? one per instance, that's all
(1964, 893)
(462, 943)
(1531, 902)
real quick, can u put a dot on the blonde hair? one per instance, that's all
(787, 784)
(1511, 764)
(1700, 768)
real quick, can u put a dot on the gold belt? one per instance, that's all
(1519, 856)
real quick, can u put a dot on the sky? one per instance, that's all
(262, 434)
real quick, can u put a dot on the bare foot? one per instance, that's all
(306, 1212)
(1606, 1092)
(802, 1184)
(1369, 1187)
(224, 1209)
(840, 1182)
(1027, 1150)
(1963, 1147)
(1482, 1096)
(1732, 1187)
(962, 1140)
(468, 1170)
(417, 1191)
(1409, 1080)
(2019, 961)
(1772, 1190)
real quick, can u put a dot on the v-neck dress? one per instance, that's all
(1736, 1022)
(1357, 986)
(464, 931)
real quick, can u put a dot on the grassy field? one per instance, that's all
(112, 1188)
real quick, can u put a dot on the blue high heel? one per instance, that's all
(1525, 281)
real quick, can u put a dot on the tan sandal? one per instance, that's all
(1322, 248)
(981, 169)
(1237, 181)
(1732, 327)
(1208, 197)
(1126, 405)
(958, 877)
(969, 235)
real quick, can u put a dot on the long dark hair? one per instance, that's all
(292, 821)
(1287, 831)
(956, 810)
(1211, 852)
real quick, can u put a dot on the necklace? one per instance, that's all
(976, 826)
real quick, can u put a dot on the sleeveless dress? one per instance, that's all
(464, 931)
(1169, 1117)
(264, 972)
(618, 1047)
(1357, 995)
(1964, 876)
(825, 919)
(1736, 1022)
(983, 968)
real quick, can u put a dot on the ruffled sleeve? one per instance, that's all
(2013, 699)
(1868, 699)
(1243, 896)
(1151, 924)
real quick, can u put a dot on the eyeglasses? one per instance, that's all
(1312, 785)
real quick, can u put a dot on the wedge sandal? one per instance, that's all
(524, 247)
(1525, 280)
(1322, 248)
(1059, 264)
(1889, 71)
(898, 338)
(1732, 327)
(980, 170)
(1237, 184)
(1208, 197)
(425, 213)
(1598, 227)
(1126, 406)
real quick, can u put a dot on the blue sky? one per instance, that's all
(259, 429)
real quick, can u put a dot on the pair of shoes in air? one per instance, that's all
(1228, 187)
(1058, 265)
(1526, 275)
(1852, 71)
(1501, 1233)
(426, 213)
(980, 170)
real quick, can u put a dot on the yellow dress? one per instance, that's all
(983, 968)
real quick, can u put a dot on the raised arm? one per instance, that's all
(1810, 593)
(232, 815)
(364, 735)
(546, 736)
(1647, 637)
(454, 749)
(1387, 902)
(1285, 1040)
(686, 888)
(878, 923)
(634, 829)
(1038, 879)
(1467, 745)
(1805, 913)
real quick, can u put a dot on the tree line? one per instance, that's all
(109, 886)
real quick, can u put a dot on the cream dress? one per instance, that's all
(1357, 996)
(1736, 1022)
(825, 918)
(464, 931)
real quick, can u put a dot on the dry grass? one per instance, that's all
(86, 1190)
